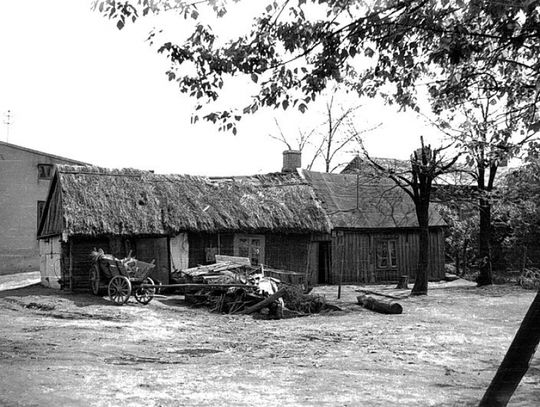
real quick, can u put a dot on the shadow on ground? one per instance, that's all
(80, 299)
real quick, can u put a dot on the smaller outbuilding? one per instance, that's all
(375, 234)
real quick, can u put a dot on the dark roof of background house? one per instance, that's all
(56, 157)
(111, 201)
(358, 164)
(365, 200)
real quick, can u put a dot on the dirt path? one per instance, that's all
(65, 349)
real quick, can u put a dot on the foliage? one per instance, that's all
(328, 141)
(519, 212)
(462, 236)
(478, 61)
(387, 47)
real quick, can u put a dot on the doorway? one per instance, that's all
(324, 262)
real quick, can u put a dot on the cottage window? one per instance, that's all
(45, 171)
(386, 254)
(250, 246)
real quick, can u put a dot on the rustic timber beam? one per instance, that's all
(265, 302)
(382, 305)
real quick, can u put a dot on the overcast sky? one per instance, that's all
(78, 87)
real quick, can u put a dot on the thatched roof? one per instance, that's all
(365, 201)
(96, 201)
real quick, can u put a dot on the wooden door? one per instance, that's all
(157, 249)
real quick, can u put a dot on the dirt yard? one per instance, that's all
(61, 349)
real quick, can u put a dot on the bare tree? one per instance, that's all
(328, 139)
(426, 165)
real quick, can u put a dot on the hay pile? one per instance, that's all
(296, 300)
(530, 279)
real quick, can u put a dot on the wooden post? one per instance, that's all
(308, 263)
(341, 244)
(403, 282)
(516, 361)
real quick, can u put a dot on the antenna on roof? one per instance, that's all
(8, 121)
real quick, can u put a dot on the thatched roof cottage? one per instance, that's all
(332, 227)
(178, 220)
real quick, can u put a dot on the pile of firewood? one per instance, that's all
(233, 286)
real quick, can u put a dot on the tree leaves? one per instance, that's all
(452, 44)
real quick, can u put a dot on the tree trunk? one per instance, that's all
(485, 277)
(464, 262)
(421, 281)
(524, 259)
(516, 361)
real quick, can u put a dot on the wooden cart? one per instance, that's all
(122, 278)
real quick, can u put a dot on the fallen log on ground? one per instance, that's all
(264, 303)
(382, 305)
(382, 294)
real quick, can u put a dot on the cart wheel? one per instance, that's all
(119, 289)
(95, 280)
(145, 294)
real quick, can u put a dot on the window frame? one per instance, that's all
(238, 245)
(45, 171)
(389, 246)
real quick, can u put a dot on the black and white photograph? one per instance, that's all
(269, 203)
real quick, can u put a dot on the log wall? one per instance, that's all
(354, 255)
(282, 251)
(76, 267)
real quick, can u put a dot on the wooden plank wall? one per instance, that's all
(357, 256)
(80, 261)
(201, 245)
(282, 251)
(53, 221)
(156, 249)
(287, 251)
(408, 254)
(350, 258)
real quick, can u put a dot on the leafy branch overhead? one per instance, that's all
(393, 48)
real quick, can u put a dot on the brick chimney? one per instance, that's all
(292, 159)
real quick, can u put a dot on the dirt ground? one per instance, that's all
(62, 349)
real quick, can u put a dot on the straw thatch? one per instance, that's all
(98, 201)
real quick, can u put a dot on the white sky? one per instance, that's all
(78, 87)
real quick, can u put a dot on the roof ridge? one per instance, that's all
(30, 150)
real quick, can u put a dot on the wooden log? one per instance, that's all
(381, 305)
(264, 303)
(381, 294)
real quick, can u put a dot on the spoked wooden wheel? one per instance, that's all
(119, 289)
(94, 279)
(145, 294)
